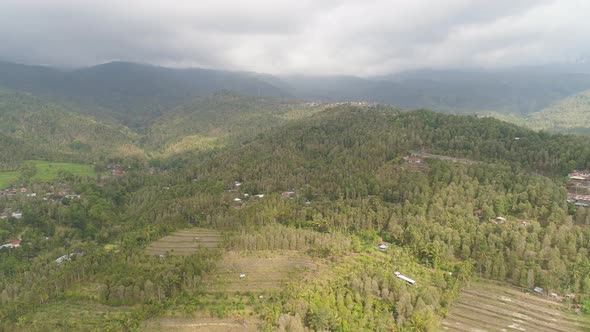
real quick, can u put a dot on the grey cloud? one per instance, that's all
(295, 36)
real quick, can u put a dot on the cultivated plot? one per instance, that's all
(258, 271)
(488, 306)
(185, 242)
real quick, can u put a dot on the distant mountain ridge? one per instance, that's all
(132, 93)
(138, 95)
(131, 89)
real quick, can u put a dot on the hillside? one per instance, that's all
(209, 121)
(224, 238)
(50, 130)
(567, 115)
(134, 94)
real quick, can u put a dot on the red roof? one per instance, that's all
(15, 243)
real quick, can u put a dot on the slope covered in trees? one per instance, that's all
(52, 130)
(131, 93)
(567, 115)
(333, 184)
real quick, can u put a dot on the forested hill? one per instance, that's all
(131, 93)
(210, 120)
(39, 128)
(136, 94)
(330, 185)
(337, 142)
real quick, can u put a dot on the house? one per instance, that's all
(13, 244)
(259, 195)
(404, 278)
(73, 196)
(237, 200)
(539, 290)
(64, 258)
(237, 183)
(17, 215)
(288, 194)
(382, 246)
(242, 276)
(414, 160)
(501, 219)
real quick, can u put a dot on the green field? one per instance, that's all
(47, 171)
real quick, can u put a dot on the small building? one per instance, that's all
(413, 160)
(237, 200)
(242, 275)
(10, 245)
(288, 194)
(404, 278)
(259, 195)
(382, 246)
(501, 219)
(17, 215)
(539, 290)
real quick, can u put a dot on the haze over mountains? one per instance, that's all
(133, 93)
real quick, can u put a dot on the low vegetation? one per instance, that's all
(43, 171)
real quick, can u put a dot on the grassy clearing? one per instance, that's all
(488, 306)
(192, 143)
(265, 271)
(185, 242)
(47, 171)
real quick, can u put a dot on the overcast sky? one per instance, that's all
(365, 37)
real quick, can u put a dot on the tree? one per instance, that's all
(27, 171)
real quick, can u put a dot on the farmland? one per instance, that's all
(72, 316)
(185, 242)
(47, 171)
(489, 306)
(264, 271)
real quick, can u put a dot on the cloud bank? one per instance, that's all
(369, 37)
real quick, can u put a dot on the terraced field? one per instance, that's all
(71, 316)
(185, 242)
(264, 271)
(208, 324)
(488, 306)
